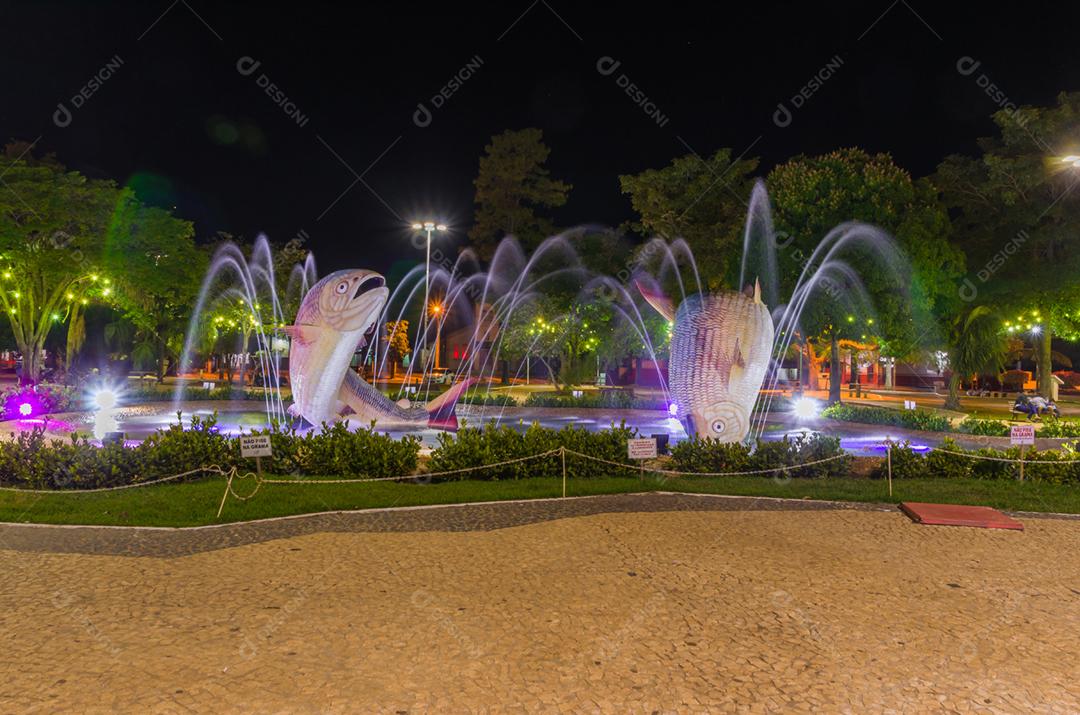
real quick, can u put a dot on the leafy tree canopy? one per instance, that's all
(513, 189)
(700, 200)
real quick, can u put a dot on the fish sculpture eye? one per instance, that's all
(718, 426)
(342, 287)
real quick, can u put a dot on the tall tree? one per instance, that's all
(700, 200)
(66, 240)
(811, 196)
(1016, 211)
(513, 189)
(977, 345)
(53, 225)
(158, 271)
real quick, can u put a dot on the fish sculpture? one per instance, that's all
(720, 350)
(331, 325)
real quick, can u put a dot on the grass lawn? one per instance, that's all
(196, 503)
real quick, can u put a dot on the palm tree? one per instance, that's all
(976, 345)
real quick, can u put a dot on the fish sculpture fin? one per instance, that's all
(656, 298)
(442, 410)
(757, 290)
(737, 356)
(303, 333)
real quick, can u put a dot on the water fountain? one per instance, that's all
(726, 346)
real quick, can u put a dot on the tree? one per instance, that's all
(512, 187)
(882, 300)
(700, 200)
(159, 269)
(977, 346)
(1016, 211)
(397, 344)
(53, 228)
(66, 240)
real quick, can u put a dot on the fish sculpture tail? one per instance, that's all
(442, 411)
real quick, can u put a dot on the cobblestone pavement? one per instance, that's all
(836, 610)
(453, 517)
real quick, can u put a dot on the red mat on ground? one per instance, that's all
(959, 515)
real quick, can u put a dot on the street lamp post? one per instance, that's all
(428, 227)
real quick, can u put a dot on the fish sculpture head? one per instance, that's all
(721, 345)
(345, 301)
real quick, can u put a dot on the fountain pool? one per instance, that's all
(137, 422)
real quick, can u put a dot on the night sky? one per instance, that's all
(351, 168)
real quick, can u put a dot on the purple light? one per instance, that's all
(673, 409)
(26, 409)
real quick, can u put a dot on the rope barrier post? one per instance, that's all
(562, 453)
(228, 488)
(1023, 447)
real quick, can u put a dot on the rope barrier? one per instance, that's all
(708, 474)
(1004, 459)
(215, 469)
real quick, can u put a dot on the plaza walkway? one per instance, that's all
(623, 604)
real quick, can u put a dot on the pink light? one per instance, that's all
(26, 409)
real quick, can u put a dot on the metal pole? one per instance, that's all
(1023, 447)
(427, 287)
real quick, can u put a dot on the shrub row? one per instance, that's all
(158, 393)
(490, 444)
(911, 419)
(948, 462)
(611, 399)
(30, 459)
(926, 420)
(709, 455)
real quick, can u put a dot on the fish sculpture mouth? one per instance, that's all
(355, 303)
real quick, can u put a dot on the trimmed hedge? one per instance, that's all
(477, 446)
(911, 419)
(30, 459)
(989, 428)
(709, 455)
(948, 462)
(136, 395)
(926, 420)
(611, 399)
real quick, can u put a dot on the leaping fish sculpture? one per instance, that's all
(720, 350)
(330, 325)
